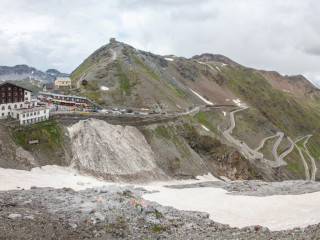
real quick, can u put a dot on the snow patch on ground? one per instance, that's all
(285, 90)
(279, 212)
(104, 88)
(239, 103)
(227, 100)
(169, 59)
(205, 128)
(224, 113)
(203, 99)
(47, 176)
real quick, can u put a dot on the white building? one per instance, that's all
(13, 97)
(31, 115)
(16, 102)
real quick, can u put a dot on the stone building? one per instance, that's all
(62, 82)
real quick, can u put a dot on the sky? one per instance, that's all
(277, 35)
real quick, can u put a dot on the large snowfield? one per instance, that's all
(275, 212)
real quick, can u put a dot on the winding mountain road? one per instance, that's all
(254, 153)
(285, 153)
(263, 141)
(306, 168)
(275, 147)
(314, 167)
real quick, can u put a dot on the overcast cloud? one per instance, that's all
(274, 35)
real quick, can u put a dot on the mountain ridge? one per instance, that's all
(135, 78)
(23, 71)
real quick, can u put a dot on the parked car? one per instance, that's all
(129, 111)
(136, 113)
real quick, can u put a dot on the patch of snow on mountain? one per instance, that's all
(47, 176)
(239, 103)
(104, 88)
(169, 59)
(205, 128)
(202, 98)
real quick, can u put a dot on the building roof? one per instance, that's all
(25, 110)
(63, 79)
(5, 83)
(60, 95)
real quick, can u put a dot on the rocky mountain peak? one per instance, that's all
(209, 57)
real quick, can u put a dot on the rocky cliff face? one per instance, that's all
(114, 152)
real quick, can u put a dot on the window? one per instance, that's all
(9, 88)
(27, 114)
(9, 94)
(15, 106)
(44, 111)
(9, 107)
(21, 106)
(2, 114)
(23, 115)
(3, 94)
(3, 108)
(26, 92)
(8, 113)
(21, 93)
(24, 121)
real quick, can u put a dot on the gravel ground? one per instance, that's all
(258, 188)
(115, 212)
